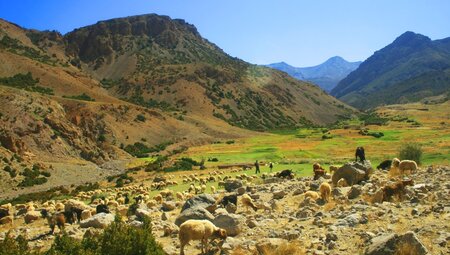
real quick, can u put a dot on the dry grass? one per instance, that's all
(406, 249)
(292, 248)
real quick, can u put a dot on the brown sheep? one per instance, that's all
(333, 169)
(57, 219)
(247, 201)
(395, 189)
(325, 191)
(199, 230)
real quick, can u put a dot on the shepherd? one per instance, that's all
(360, 154)
(257, 167)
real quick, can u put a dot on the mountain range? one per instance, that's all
(145, 79)
(327, 75)
(413, 67)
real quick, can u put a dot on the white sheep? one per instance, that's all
(199, 230)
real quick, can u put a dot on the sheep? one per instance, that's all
(152, 203)
(57, 219)
(213, 189)
(7, 220)
(158, 198)
(203, 188)
(325, 191)
(122, 210)
(342, 183)
(405, 165)
(395, 189)
(312, 194)
(385, 165)
(318, 171)
(359, 153)
(86, 214)
(199, 230)
(333, 169)
(285, 174)
(180, 196)
(101, 208)
(247, 201)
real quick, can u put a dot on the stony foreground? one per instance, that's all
(352, 222)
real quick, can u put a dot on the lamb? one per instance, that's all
(57, 219)
(285, 174)
(247, 201)
(312, 194)
(385, 165)
(342, 183)
(199, 230)
(395, 189)
(325, 191)
(180, 196)
(213, 189)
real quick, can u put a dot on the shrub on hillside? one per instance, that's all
(11, 246)
(411, 151)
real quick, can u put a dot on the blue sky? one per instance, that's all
(301, 33)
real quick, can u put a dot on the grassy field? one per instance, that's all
(428, 125)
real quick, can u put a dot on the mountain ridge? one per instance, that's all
(326, 75)
(411, 57)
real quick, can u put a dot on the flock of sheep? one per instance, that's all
(58, 213)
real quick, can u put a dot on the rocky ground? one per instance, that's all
(353, 222)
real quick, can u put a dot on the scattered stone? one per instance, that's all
(393, 244)
(279, 194)
(202, 200)
(354, 192)
(194, 213)
(101, 220)
(231, 185)
(168, 206)
(232, 223)
(353, 172)
(269, 244)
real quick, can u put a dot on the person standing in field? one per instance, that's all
(271, 166)
(257, 167)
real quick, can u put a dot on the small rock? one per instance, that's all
(390, 244)
(354, 192)
(168, 206)
(279, 194)
(100, 220)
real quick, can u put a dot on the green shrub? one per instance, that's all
(11, 246)
(26, 82)
(140, 117)
(229, 142)
(46, 174)
(83, 97)
(411, 151)
(117, 239)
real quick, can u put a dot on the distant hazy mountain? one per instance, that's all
(327, 75)
(409, 69)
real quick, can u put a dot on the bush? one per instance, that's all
(411, 151)
(118, 238)
(83, 97)
(140, 117)
(11, 246)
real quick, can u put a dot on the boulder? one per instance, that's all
(349, 221)
(194, 213)
(231, 208)
(279, 194)
(353, 172)
(377, 197)
(396, 244)
(354, 192)
(232, 223)
(168, 206)
(32, 216)
(203, 200)
(142, 214)
(101, 220)
(231, 185)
